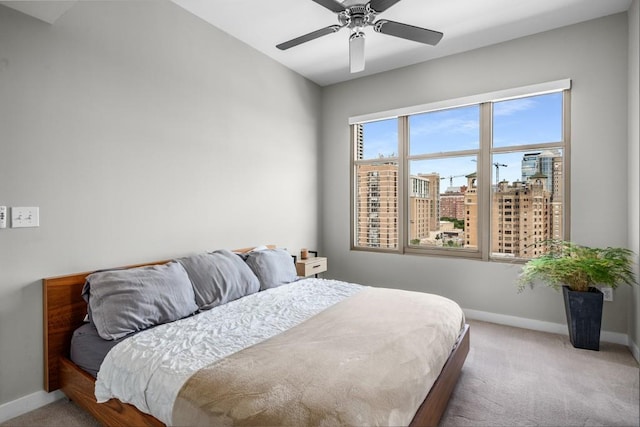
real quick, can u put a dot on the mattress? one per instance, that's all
(88, 349)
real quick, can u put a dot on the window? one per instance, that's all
(376, 185)
(452, 178)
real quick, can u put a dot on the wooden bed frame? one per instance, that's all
(65, 309)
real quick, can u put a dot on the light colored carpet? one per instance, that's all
(512, 377)
(518, 377)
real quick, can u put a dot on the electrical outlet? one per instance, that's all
(25, 217)
(608, 292)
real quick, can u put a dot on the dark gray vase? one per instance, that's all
(584, 317)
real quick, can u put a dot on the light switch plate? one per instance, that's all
(3, 217)
(25, 217)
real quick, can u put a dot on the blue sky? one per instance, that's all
(519, 121)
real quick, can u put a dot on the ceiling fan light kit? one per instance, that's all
(356, 52)
(356, 16)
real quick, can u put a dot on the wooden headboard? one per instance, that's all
(64, 311)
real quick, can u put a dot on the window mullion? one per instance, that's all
(450, 154)
(528, 147)
(352, 191)
(403, 164)
(566, 136)
(484, 180)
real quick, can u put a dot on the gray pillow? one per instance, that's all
(126, 301)
(274, 267)
(219, 277)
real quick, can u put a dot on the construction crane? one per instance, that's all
(451, 178)
(498, 166)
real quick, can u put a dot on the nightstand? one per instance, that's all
(310, 266)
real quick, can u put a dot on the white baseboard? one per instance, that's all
(27, 403)
(634, 349)
(540, 325)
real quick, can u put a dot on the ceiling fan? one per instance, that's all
(356, 16)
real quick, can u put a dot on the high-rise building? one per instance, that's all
(359, 142)
(423, 205)
(548, 163)
(557, 198)
(420, 207)
(521, 217)
(539, 162)
(377, 205)
(523, 213)
(433, 180)
(529, 165)
(471, 212)
(452, 203)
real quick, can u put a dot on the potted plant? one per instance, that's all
(576, 269)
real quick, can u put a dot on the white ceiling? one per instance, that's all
(47, 11)
(466, 24)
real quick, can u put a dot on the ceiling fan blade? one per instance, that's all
(308, 37)
(381, 5)
(409, 32)
(356, 52)
(332, 5)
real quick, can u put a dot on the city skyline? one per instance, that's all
(524, 211)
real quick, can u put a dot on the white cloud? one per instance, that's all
(506, 108)
(448, 126)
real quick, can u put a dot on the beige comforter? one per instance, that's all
(368, 360)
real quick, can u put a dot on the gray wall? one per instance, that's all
(634, 162)
(142, 133)
(594, 55)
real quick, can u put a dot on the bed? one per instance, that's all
(65, 311)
